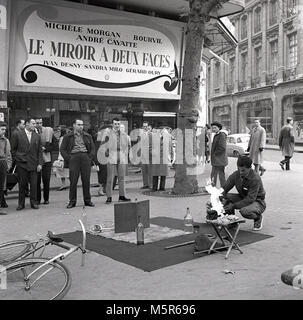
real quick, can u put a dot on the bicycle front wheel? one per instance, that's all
(51, 282)
(12, 250)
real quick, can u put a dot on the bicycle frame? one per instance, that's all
(60, 256)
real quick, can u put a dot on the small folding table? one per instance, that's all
(220, 228)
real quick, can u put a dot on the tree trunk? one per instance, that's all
(185, 177)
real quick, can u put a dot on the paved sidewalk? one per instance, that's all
(298, 148)
(257, 272)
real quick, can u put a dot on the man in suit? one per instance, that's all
(27, 154)
(46, 134)
(20, 125)
(78, 150)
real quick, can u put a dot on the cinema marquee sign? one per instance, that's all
(114, 56)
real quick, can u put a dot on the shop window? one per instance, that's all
(250, 111)
(223, 115)
(293, 107)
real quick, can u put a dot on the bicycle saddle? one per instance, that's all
(54, 237)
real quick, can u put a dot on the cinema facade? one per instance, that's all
(64, 60)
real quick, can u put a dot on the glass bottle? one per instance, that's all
(140, 233)
(188, 222)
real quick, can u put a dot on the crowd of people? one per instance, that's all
(33, 151)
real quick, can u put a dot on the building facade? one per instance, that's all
(96, 60)
(263, 77)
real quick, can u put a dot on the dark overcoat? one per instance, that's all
(218, 150)
(287, 140)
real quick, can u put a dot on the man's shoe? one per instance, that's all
(258, 223)
(34, 206)
(108, 200)
(281, 165)
(3, 213)
(89, 204)
(4, 205)
(122, 198)
(70, 205)
(46, 202)
(20, 208)
(145, 187)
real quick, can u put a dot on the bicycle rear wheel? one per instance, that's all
(12, 250)
(51, 282)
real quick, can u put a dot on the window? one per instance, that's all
(260, 109)
(244, 27)
(273, 57)
(257, 20)
(231, 71)
(243, 66)
(223, 115)
(258, 59)
(217, 74)
(291, 7)
(273, 11)
(292, 51)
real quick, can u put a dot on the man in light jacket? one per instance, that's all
(114, 153)
(256, 146)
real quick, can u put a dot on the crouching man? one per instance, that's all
(250, 199)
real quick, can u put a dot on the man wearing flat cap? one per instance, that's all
(218, 154)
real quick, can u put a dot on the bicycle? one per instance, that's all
(37, 277)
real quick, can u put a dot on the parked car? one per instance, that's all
(237, 144)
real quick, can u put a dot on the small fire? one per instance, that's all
(215, 193)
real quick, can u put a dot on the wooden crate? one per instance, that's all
(127, 215)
